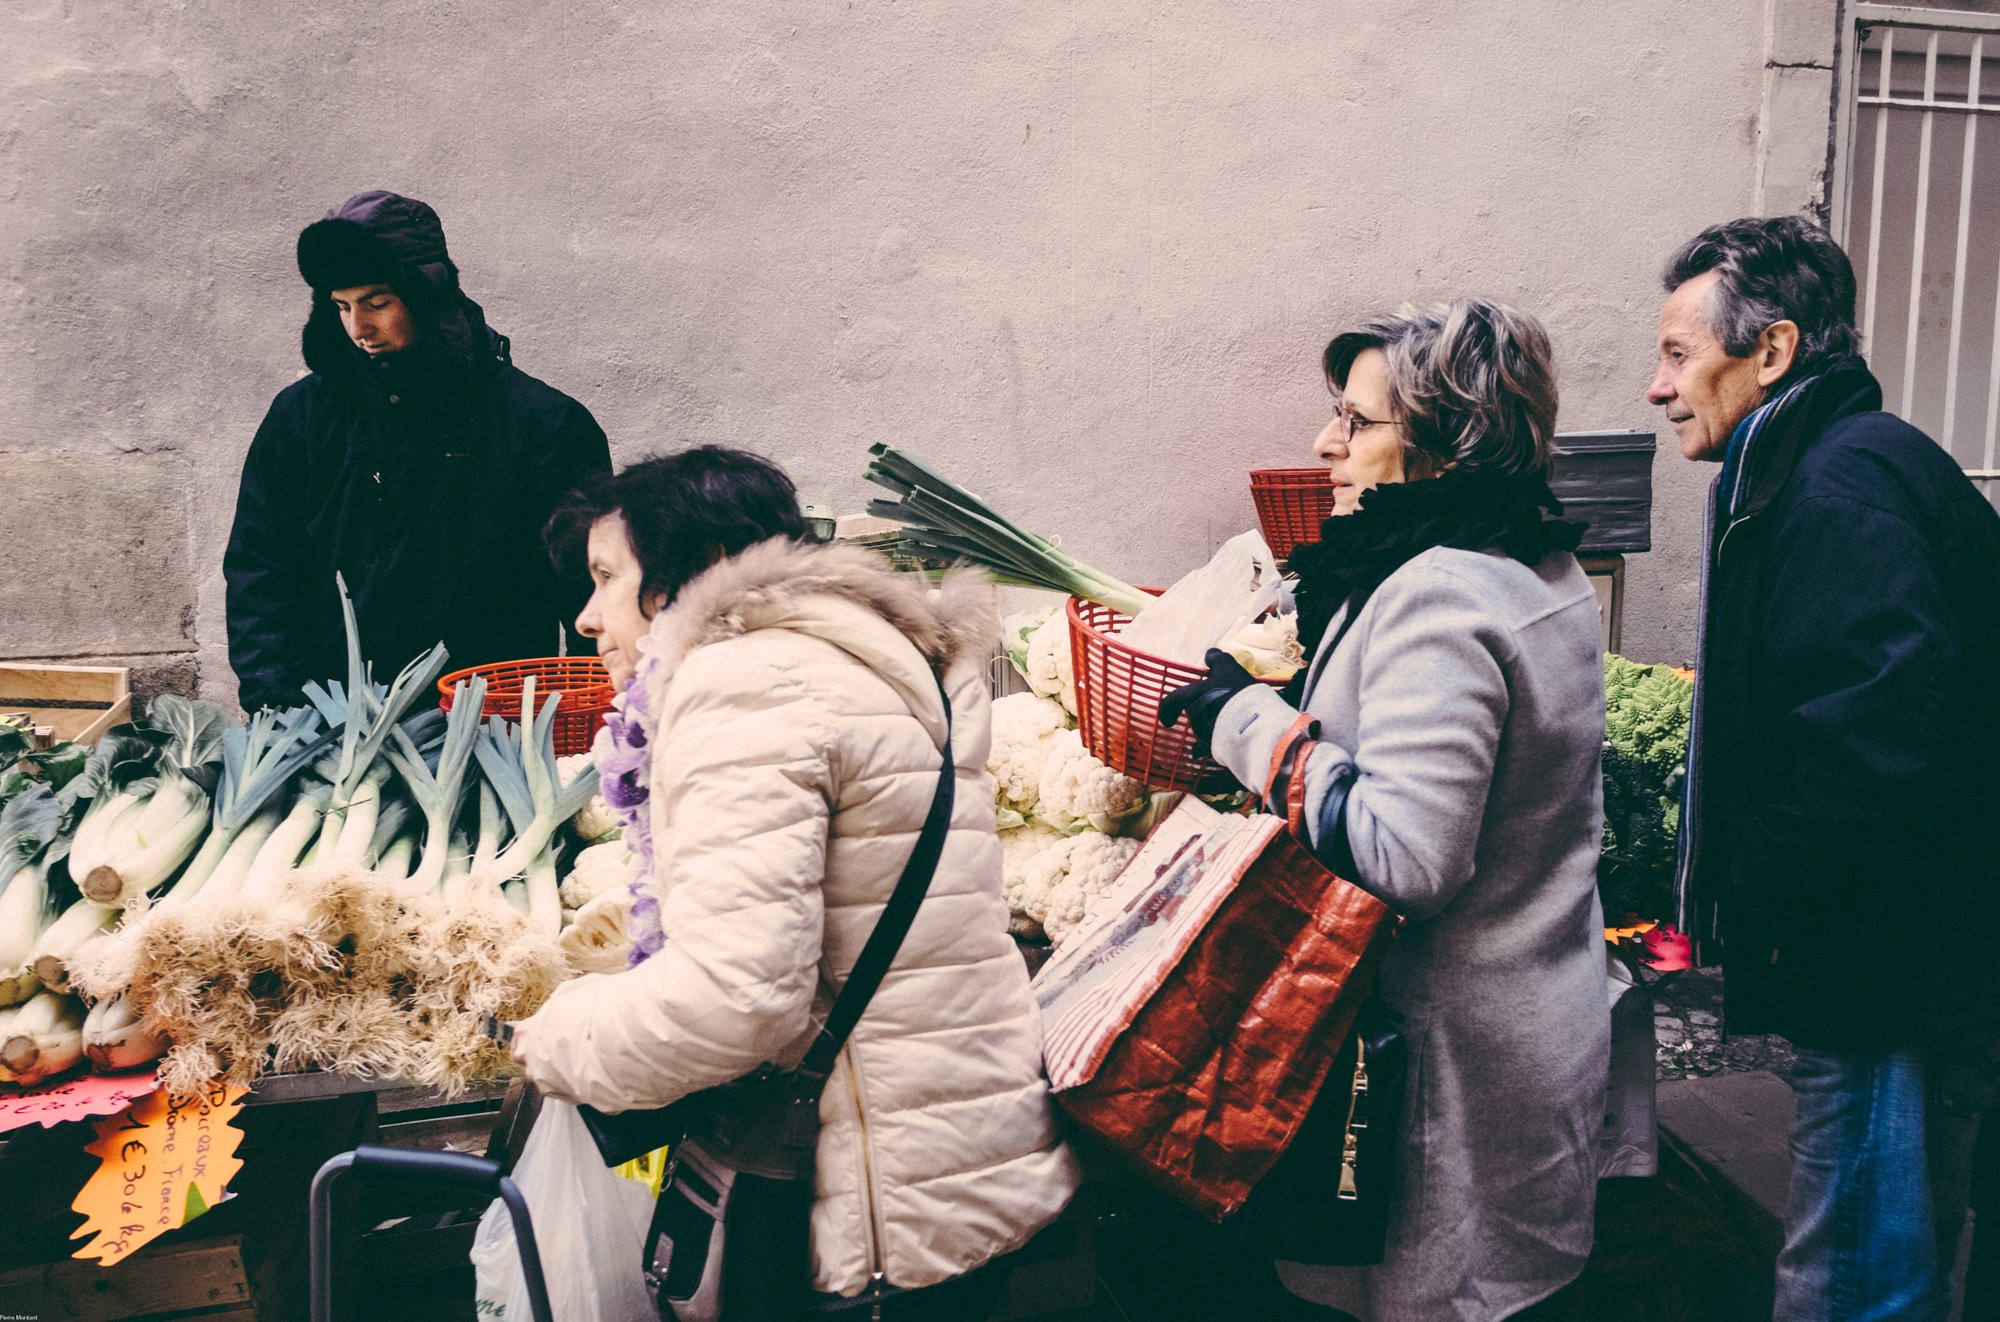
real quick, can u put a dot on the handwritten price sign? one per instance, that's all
(72, 1099)
(165, 1162)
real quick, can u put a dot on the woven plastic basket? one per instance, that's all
(582, 680)
(1291, 505)
(1118, 692)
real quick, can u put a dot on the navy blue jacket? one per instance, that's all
(1847, 813)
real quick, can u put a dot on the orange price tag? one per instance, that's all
(164, 1164)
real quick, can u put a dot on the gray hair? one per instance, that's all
(1772, 269)
(1472, 381)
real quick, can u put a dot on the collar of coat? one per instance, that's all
(1766, 446)
(896, 624)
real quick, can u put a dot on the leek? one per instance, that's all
(64, 937)
(115, 1038)
(41, 1039)
(529, 784)
(24, 913)
(438, 786)
(132, 850)
(259, 762)
(941, 516)
(280, 853)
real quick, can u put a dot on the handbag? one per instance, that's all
(730, 1234)
(1326, 1202)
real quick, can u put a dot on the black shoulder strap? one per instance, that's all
(894, 924)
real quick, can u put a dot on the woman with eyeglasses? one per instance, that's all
(1457, 679)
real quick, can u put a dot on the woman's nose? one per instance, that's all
(588, 624)
(1329, 441)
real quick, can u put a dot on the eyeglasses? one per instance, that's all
(1349, 422)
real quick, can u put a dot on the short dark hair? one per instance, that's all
(1473, 382)
(681, 512)
(1772, 269)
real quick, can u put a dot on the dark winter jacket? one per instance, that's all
(425, 478)
(1847, 762)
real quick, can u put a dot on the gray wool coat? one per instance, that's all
(1467, 705)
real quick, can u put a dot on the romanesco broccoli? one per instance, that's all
(1646, 716)
(1646, 712)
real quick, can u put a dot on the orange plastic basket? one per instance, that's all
(1118, 692)
(1291, 505)
(582, 680)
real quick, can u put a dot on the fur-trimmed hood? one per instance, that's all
(844, 595)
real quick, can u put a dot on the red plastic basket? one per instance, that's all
(1291, 505)
(582, 680)
(1118, 692)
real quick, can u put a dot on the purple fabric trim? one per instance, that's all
(624, 756)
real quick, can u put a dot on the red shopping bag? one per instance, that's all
(1191, 1023)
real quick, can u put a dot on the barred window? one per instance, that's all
(1916, 203)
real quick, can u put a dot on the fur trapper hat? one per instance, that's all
(377, 238)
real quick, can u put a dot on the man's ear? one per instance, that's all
(1777, 348)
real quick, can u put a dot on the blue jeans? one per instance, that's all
(1881, 1167)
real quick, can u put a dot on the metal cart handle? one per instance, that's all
(454, 1169)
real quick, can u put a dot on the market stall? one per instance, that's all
(293, 931)
(231, 948)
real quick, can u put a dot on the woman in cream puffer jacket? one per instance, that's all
(795, 746)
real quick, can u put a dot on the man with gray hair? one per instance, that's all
(1838, 841)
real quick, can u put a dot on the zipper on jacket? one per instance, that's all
(876, 1279)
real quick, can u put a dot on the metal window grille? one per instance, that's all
(1917, 206)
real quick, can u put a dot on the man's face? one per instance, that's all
(1705, 391)
(375, 319)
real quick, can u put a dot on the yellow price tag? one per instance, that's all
(164, 1163)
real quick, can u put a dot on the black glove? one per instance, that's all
(1202, 701)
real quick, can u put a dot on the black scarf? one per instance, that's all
(1468, 511)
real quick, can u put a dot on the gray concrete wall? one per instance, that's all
(1083, 256)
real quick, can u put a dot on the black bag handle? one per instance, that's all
(892, 926)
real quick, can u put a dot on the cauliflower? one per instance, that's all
(1016, 632)
(1023, 876)
(600, 868)
(594, 821)
(1269, 649)
(1092, 862)
(600, 939)
(1024, 730)
(1052, 880)
(1077, 788)
(1051, 670)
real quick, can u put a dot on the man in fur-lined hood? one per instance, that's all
(415, 459)
(773, 762)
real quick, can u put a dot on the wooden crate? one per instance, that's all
(80, 702)
(203, 1281)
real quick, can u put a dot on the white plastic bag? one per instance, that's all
(1209, 606)
(590, 1227)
